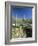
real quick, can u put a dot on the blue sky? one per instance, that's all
(21, 12)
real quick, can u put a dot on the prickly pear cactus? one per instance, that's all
(18, 33)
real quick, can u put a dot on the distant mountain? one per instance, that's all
(20, 20)
(13, 19)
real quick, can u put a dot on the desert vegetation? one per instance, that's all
(22, 28)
